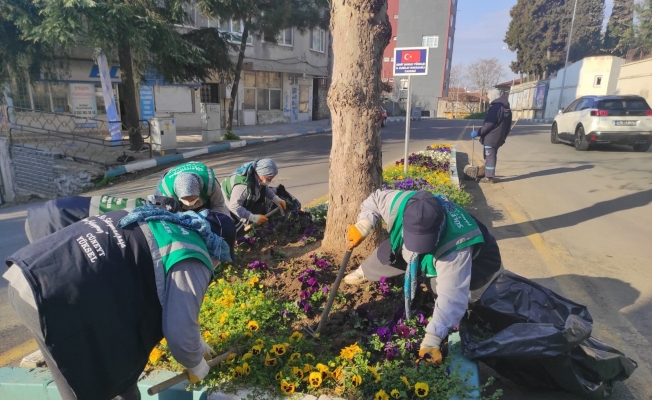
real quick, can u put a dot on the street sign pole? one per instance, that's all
(408, 114)
(408, 62)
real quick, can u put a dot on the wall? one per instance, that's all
(428, 17)
(580, 79)
(388, 66)
(187, 121)
(636, 78)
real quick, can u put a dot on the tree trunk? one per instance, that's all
(361, 31)
(236, 77)
(130, 119)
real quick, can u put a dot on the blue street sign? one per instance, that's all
(411, 61)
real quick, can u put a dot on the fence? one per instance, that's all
(638, 55)
(79, 138)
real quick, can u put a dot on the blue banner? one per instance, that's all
(109, 102)
(147, 111)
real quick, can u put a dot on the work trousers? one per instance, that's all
(490, 159)
(29, 317)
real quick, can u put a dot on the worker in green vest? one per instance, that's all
(100, 294)
(433, 237)
(195, 186)
(247, 189)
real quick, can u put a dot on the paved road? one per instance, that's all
(578, 223)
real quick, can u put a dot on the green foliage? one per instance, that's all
(478, 115)
(229, 135)
(620, 29)
(644, 26)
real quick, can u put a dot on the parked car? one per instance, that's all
(383, 117)
(593, 120)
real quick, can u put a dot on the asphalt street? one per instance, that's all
(577, 222)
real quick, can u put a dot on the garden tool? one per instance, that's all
(331, 296)
(473, 171)
(248, 227)
(159, 387)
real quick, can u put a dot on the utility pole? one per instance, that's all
(570, 39)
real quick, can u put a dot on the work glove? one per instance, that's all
(258, 219)
(208, 351)
(199, 372)
(357, 233)
(280, 203)
(429, 350)
(474, 134)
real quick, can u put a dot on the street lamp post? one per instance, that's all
(570, 39)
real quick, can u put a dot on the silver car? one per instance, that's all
(593, 120)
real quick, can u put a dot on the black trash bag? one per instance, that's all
(291, 202)
(534, 337)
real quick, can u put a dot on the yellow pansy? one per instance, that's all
(381, 395)
(287, 388)
(247, 356)
(296, 336)
(298, 372)
(339, 390)
(260, 342)
(336, 374)
(308, 355)
(350, 351)
(253, 281)
(206, 335)
(315, 379)
(307, 368)
(224, 336)
(155, 355)
(375, 374)
(246, 368)
(247, 334)
(279, 376)
(237, 372)
(257, 349)
(295, 356)
(421, 389)
(356, 380)
(395, 393)
(252, 326)
(230, 358)
(269, 360)
(278, 349)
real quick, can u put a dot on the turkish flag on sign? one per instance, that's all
(411, 56)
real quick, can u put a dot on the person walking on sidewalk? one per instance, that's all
(101, 294)
(432, 237)
(493, 133)
(247, 189)
(195, 186)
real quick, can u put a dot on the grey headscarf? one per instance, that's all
(266, 167)
(187, 184)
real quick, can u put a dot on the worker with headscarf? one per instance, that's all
(99, 295)
(247, 189)
(195, 186)
(433, 237)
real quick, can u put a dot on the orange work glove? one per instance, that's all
(354, 237)
(431, 354)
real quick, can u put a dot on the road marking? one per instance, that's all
(18, 352)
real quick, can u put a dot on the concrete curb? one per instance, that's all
(542, 121)
(454, 176)
(155, 162)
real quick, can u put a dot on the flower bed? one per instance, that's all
(367, 350)
(427, 170)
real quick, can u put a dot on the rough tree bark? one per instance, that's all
(361, 31)
(130, 119)
(236, 77)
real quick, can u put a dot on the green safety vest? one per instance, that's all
(207, 176)
(170, 243)
(105, 203)
(461, 231)
(231, 181)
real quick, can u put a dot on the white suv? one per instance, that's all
(592, 120)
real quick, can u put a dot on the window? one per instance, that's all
(304, 97)
(392, 59)
(395, 16)
(597, 82)
(450, 43)
(391, 79)
(384, 79)
(452, 20)
(262, 90)
(318, 40)
(572, 106)
(394, 38)
(386, 59)
(430, 41)
(235, 28)
(286, 38)
(448, 64)
(59, 94)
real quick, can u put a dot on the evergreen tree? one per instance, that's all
(620, 29)
(587, 34)
(644, 26)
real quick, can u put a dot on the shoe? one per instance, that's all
(355, 278)
(487, 180)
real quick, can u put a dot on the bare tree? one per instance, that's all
(361, 31)
(485, 74)
(456, 81)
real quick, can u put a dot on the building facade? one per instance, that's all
(423, 23)
(281, 82)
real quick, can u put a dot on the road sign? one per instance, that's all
(411, 61)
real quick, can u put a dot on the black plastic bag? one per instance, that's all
(534, 337)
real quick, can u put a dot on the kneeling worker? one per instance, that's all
(247, 189)
(435, 237)
(195, 186)
(99, 295)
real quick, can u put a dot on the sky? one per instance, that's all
(480, 30)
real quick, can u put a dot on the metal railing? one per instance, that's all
(81, 138)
